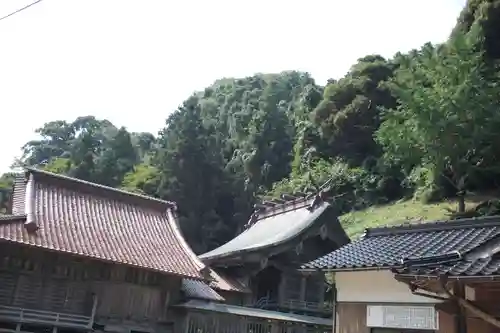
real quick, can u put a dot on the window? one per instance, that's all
(410, 318)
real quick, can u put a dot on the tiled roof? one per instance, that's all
(99, 222)
(243, 311)
(12, 218)
(463, 267)
(225, 283)
(276, 225)
(207, 290)
(199, 290)
(387, 247)
(482, 260)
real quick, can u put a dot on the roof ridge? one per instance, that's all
(172, 220)
(475, 222)
(99, 186)
(275, 207)
(284, 204)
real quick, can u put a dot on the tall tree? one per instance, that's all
(348, 115)
(6, 184)
(447, 116)
(117, 158)
(192, 174)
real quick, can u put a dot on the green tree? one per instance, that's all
(447, 116)
(116, 159)
(6, 184)
(348, 115)
(192, 173)
(485, 14)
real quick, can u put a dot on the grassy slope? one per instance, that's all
(401, 212)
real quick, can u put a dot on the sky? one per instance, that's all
(134, 61)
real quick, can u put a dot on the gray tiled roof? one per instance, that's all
(272, 228)
(12, 218)
(256, 313)
(199, 290)
(465, 267)
(387, 247)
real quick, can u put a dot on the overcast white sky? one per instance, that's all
(134, 61)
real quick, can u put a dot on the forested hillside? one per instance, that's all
(423, 124)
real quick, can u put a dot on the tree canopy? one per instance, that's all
(421, 124)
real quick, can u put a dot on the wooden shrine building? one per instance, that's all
(258, 287)
(80, 257)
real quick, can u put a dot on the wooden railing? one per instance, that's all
(20, 315)
(42, 317)
(304, 305)
(266, 303)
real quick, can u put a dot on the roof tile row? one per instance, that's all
(387, 247)
(99, 222)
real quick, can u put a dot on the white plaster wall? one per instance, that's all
(374, 287)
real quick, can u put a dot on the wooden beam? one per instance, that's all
(470, 307)
(94, 310)
(451, 307)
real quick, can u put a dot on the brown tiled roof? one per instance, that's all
(100, 222)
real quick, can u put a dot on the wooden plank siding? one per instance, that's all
(302, 291)
(40, 280)
(351, 318)
(196, 322)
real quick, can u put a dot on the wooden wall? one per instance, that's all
(207, 322)
(488, 296)
(447, 322)
(300, 287)
(290, 287)
(38, 291)
(351, 318)
(48, 281)
(374, 287)
(236, 298)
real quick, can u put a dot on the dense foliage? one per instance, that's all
(422, 124)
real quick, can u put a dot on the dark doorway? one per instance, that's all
(267, 282)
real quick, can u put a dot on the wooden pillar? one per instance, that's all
(243, 324)
(217, 319)
(186, 322)
(275, 327)
(461, 324)
(303, 282)
(322, 289)
(281, 291)
(94, 310)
